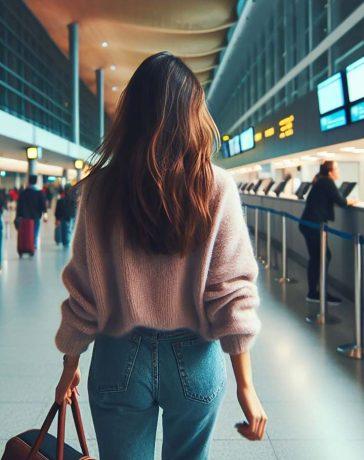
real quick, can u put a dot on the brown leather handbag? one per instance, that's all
(40, 445)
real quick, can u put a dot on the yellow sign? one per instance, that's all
(269, 132)
(258, 136)
(286, 127)
(225, 137)
(32, 153)
(79, 164)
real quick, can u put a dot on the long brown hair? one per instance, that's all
(325, 168)
(156, 174)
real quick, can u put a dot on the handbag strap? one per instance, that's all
(44, 430)
(78, 423)
(61, 428)
(61, 409)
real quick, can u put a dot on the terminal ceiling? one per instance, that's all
(194, 30)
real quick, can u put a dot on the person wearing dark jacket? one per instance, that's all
(65, 214)
(3, 207)
(32, 205)
(320, 209)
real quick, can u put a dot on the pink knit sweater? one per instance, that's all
(211, 291)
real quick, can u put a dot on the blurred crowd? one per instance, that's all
(32, 204)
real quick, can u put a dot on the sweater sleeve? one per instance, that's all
(335, 194)
(231, 297)
(79, 324)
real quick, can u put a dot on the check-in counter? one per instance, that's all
(341, 269)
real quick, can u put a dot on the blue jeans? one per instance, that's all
(132, 376)
(66, 231)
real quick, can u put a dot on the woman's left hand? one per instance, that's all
(69, 380)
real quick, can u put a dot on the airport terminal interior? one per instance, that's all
(284, 83)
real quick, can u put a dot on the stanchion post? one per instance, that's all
(322, 317)
(269, 236)
(256, 230)
(323, 248)
(355, 350)
(284, 278)
(284, 248)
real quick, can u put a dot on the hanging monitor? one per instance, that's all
(247, 139)
(333, 120)
(225, 150)
(355, 79)
(357, 112)
(237, 145)
(231, 147)
(330, 94)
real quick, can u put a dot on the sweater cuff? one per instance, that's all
(71, 341)
(238, 343)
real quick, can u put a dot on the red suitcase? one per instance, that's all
(26, 237)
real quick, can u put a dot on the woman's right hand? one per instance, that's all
(352, 201)
(254, 412)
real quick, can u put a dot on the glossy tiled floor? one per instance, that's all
(313, 397)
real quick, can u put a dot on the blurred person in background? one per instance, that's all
(65, 214)
(32, 205)
(162, 277)
(3, 207)
(319, 209)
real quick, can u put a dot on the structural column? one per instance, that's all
(75, 81)
(100, 102)
(34, 153)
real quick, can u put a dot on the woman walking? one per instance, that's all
(65, 214)
(162, 276)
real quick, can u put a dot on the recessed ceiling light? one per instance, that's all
(104, 44)
(114, 88)
(113, 67)
(326, 154)
(309, 158)
(347, 149)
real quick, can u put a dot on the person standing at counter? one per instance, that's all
(320, 209)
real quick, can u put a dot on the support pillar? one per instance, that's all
(32, 167)
(100, 102)
(17, 181)
(75, 81)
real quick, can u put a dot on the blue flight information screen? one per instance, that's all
(330, 94)
(333, 120)
(247, 139)
(357, 112)
(355, 79)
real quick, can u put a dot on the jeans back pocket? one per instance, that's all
(202, 368)
(112, 363)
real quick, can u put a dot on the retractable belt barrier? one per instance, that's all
(352, 350)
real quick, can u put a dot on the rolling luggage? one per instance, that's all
(26, 237)
(39, 445)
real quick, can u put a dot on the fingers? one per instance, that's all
(261, 428)
(255, 430)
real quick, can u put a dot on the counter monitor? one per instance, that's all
(346, 188)
(280, 187)
(268, 186)
(302, 190)
(257, 185)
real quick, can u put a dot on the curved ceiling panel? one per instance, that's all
(194, 30)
